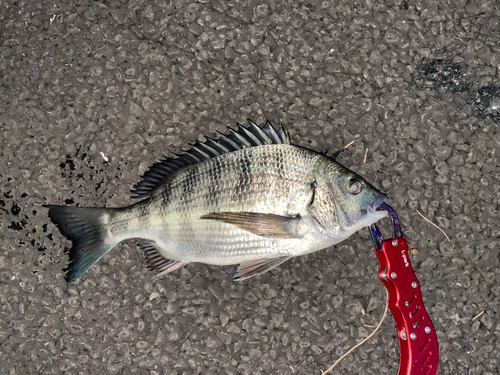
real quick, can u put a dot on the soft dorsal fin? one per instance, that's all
(238, 139)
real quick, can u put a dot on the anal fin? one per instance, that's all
(256, 267)
(157, 262)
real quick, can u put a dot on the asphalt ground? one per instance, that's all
(93, 94)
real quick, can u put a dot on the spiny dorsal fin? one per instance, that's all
(252, 136)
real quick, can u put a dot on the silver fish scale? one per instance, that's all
(265, 179)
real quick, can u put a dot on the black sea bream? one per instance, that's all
(249, 198)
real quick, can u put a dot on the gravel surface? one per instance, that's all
(92, 94)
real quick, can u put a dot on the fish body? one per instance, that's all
(248, 198)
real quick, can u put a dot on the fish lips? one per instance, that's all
(374, 209)
(367, 216)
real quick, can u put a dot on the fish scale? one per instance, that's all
(248, 198)
(249, 183)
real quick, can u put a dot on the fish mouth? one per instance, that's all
(369, 215)
(375, 205)
(375, 212)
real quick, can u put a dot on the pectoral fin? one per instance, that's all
(157, 262)
(265, 225)
(257, 267)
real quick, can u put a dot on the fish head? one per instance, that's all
(356, 202)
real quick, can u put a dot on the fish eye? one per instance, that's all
(354, 187)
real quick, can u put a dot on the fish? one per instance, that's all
(249, 197)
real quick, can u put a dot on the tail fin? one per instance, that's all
(84, 226)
